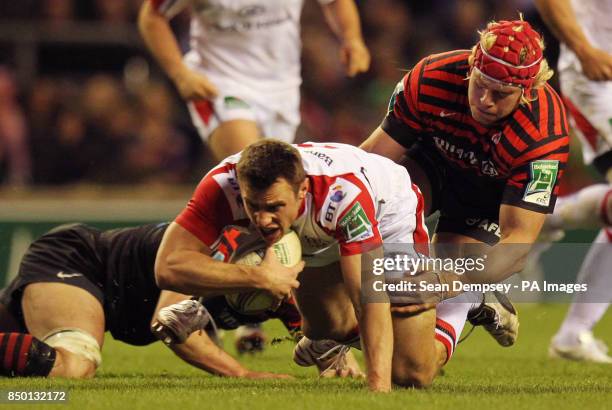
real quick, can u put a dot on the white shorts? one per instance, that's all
(589, 104)
(402, 219)
(207, 115)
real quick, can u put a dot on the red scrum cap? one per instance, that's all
(510, 52)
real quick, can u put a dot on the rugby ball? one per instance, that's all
(288, 251)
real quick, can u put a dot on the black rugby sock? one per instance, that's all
(22, 354)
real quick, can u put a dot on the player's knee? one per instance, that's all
(78, 351)
(419, 379)
(73, 366)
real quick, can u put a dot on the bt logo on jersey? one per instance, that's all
(329, 212)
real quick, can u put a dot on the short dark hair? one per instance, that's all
(264, 162)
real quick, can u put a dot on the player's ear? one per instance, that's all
(303, 188)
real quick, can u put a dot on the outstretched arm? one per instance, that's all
(520, 228)
(200, 351)
(375, 325)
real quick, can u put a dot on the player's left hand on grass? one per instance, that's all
(355, 56)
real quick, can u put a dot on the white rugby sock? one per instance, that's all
(454, 311)
(583, 209)
(588, 307)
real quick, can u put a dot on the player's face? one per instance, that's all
(491, 101)
(273, 211)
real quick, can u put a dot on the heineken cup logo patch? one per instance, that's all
(543, 178)
(356, 225)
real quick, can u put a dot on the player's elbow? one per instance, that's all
(518, 253)
(521, 261)
(165, 277)
(516, 246)
(162, 279)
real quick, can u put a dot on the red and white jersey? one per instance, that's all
(238, 44)
(355, 200)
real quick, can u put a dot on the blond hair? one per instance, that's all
(488, 39)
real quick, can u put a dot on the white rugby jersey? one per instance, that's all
(252, 44)
(350, 190)
(595, 19)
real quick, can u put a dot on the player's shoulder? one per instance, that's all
(543, 118)
(439, 74)
(447, 61)
(330, 159)
(224, 173)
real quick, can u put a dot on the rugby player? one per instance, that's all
(241, 76)
(486, 139)
(76, 282)
(585, 76)
(343, 203)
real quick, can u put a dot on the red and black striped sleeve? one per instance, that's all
(538, 136)
(402, 121)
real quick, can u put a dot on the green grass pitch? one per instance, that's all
(480, 375)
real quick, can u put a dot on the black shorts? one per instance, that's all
(468, 206)
(73, 255)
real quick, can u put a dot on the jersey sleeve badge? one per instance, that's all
(339, 196)
(355, 224)
(543, 177)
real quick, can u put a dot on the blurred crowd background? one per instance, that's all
(82, 102)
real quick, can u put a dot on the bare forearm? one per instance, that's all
(343, 18)
(519, 228)
(432, 285)
(160, 40)
(499, 263)
(201, 352)
(374, 319)
(560, 18)
(377, 342)
(191, 272)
